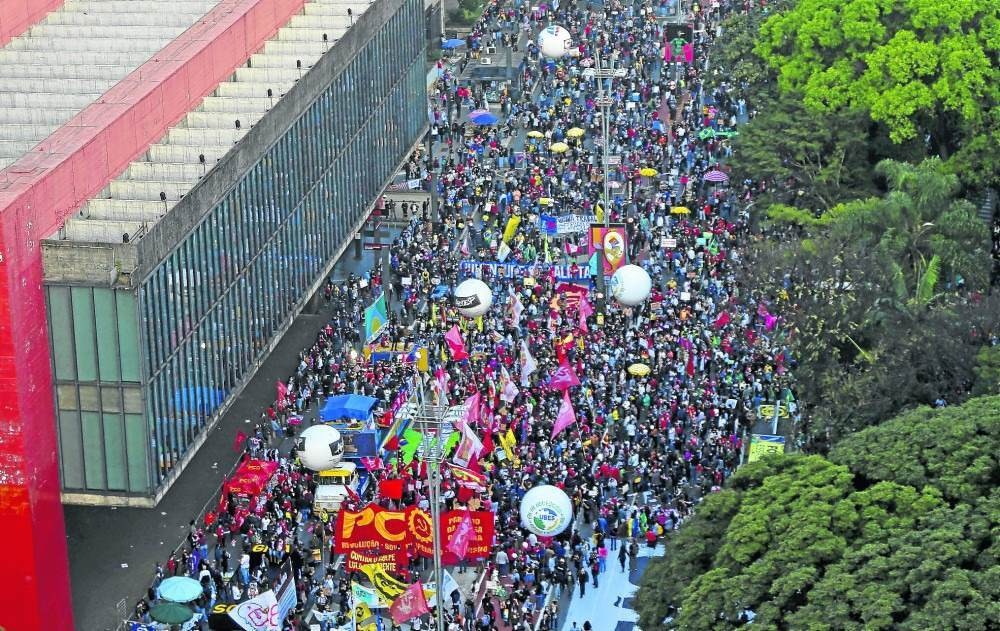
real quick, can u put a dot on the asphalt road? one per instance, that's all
(114, 551)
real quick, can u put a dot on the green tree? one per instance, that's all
(955, 449)
(923, 67)
(812, 161)
(899, 532)
(987, 370)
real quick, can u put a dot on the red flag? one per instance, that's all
(455, 344)
(564, 377)
(722, 320)
(410, 604)
(690, 365)
(391, 489)
(462, 537)
(465, 494)
(566, 415)
(282, 395)
(238, 443)
(487, 444)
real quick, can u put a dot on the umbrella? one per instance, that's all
(648, 172)
(180, 589)
(716, 176)
(639, 370)
(680, 210)
(534, 133)
(482, 117)
(449, 44)
(559, 147)
(171, 613)
(574, 132)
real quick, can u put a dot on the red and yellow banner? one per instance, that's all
(377, 531)
(611, 241)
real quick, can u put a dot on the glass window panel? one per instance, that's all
(136, 452)
(71, 449)
(114, 452)
(63, 353)
(132, 400)
(84, 334)
(90, 398)
(67, 397)
(107, 334)
(128, 336)
(111, 399)
(93, 451)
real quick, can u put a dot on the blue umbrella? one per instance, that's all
(180, 589)
(483, 118)
(449, 44)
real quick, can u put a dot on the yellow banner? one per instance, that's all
(509, 444)
(511, 229)
(362, 612)
(762, 445)
(387, 586)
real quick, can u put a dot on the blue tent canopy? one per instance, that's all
(353, 406)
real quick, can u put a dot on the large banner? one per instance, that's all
(611, 242)
(762, 445)
(376, 318)
(566, 224)
(376, 529)
(515, 270)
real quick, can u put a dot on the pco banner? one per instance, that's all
(376, 529)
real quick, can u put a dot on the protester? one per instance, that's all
(639, 450)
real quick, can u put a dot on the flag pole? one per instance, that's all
(432, 418)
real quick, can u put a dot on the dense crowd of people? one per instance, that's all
(646, 444)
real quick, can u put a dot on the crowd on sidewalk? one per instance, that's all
(644, 447)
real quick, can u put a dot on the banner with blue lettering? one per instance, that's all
(479, 269)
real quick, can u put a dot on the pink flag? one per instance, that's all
(508, 391)
(770, 322)
(564, 377)
(585, 311)
(455, 344)
(469, 448)
(462, 536)
(528, 364)
(566, 416)
(410, 604)
(516, 308)
(472, 405)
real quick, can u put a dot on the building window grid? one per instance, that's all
(356, 196)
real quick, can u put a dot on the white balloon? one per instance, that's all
(473, 298)
(320, 447)
(630, 285)
(546, 510)
(555, 42)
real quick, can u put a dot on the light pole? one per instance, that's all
(601, 74)
(431, 419)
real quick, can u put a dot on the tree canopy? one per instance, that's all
(893, 534)
(923, 67)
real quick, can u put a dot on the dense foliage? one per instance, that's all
(883, 299)
(899, 531)
(923, 67)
